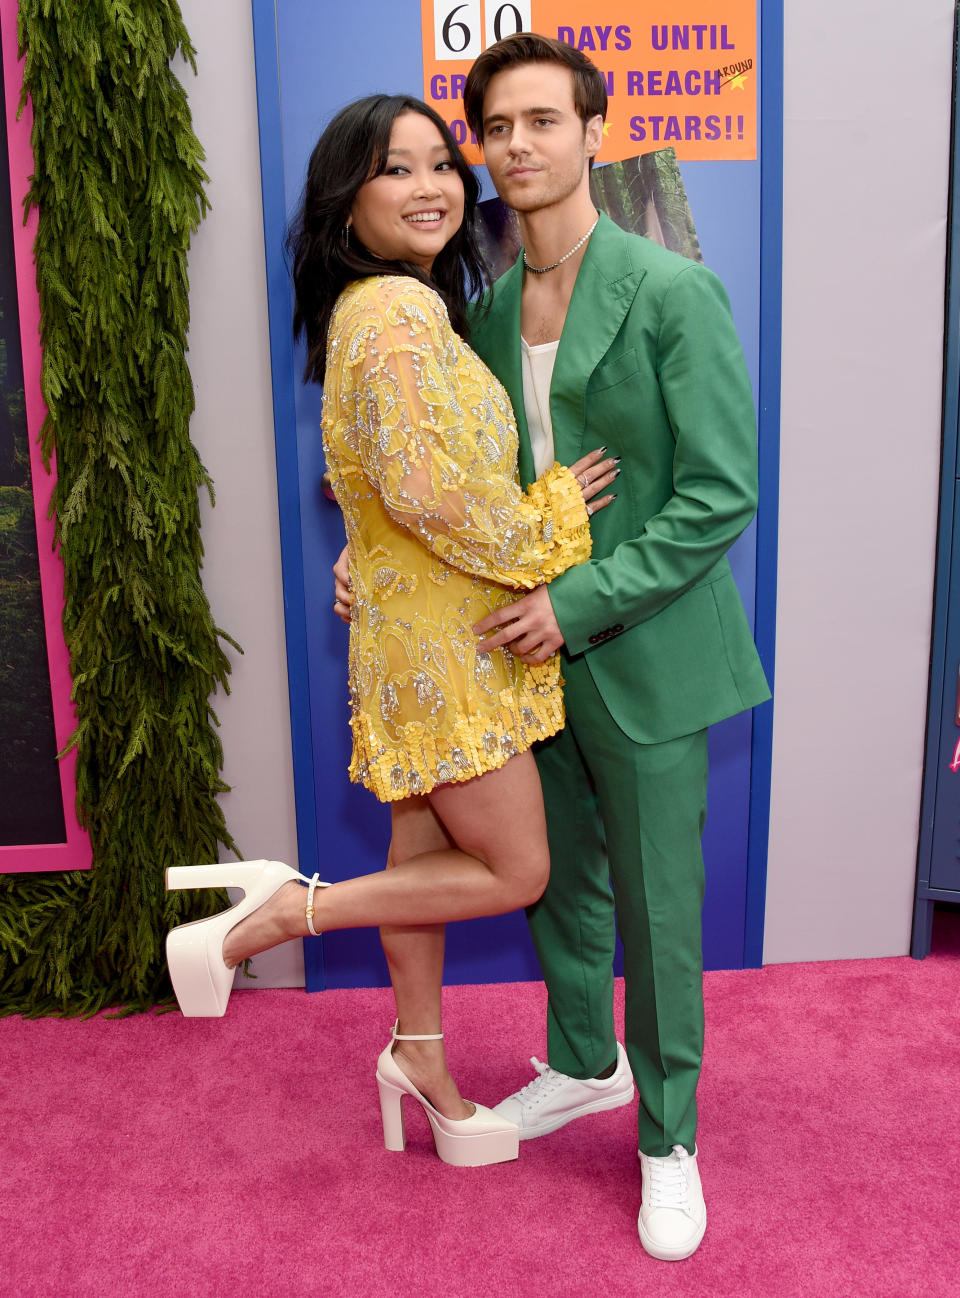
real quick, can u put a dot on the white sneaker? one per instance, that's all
(553, 1099)
(673, 1215)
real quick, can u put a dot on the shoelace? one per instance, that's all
(668, 1180)
(541, 1087)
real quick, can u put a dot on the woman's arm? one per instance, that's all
(421, 429)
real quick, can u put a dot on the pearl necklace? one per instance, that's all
(542, 270)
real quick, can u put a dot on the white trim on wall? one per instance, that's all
(233, 431)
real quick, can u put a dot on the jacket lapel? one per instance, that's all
(606, 285)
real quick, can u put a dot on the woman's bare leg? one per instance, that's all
(477, 848)
(500, 863)
(415, 959)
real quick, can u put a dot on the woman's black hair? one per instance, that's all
(352, 150)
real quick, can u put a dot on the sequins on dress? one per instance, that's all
(421, 446)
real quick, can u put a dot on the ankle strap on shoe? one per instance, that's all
(311, 889)
(415, 1036)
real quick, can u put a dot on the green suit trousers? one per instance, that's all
(630, 816)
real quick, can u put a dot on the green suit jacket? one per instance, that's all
(649, 364)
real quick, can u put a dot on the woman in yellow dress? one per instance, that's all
(421, 446)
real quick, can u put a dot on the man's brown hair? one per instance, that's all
(589, 89)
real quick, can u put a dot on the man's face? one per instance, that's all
(534, 142)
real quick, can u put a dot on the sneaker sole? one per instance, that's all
(583, 1111)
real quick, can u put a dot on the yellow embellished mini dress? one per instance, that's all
(421, 447)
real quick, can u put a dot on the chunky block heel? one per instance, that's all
(226, 874)
(391, 1114)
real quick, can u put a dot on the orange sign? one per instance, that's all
(679, 74)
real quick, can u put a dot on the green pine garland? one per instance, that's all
(119, 187)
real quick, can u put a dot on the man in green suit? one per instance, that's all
(602, 337)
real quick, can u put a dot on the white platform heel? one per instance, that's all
(476, 1141)
(201, 981)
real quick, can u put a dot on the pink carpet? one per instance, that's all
(164, 1156)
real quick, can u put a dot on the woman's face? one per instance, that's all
(410, 211)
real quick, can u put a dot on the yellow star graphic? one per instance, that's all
(737, 83)
(606, 127)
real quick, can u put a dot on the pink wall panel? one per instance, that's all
(74, 853)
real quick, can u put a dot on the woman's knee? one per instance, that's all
(533, 881)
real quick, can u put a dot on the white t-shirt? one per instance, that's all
(538, 364)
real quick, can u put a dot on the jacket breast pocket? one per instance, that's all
(613, 370)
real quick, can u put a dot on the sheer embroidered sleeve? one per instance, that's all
(438, 444)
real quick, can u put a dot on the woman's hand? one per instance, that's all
(594, 473)
(343, 595)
